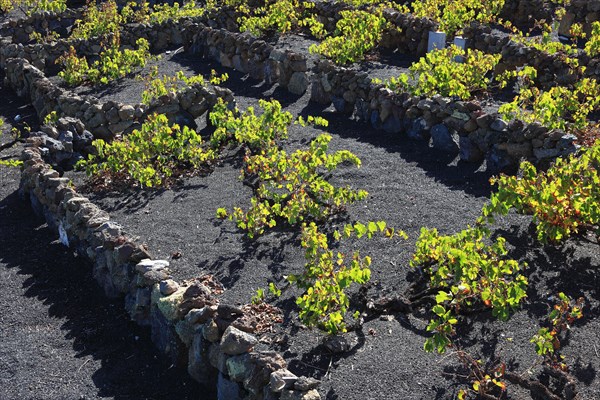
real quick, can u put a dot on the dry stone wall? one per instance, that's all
(44, 55)
(523, 13)
(409, 34)
(461, 127)
(109, 118)
(458, 127)
(168, 34)
(259, 59)
(242, 52)
(187, 320)
(44, 23)
(583, 11)
(552, 68)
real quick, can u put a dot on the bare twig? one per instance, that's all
(81, 366)
(534, 387)
(8, 144)
(312, 366)
(329, 367)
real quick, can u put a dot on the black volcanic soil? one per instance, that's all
(60, 337)
(410, 186)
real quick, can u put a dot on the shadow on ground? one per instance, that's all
(130, 368)
(458, 175)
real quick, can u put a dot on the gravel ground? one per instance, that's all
(410, 186)
(60, 337)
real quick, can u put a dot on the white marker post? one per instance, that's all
(460, 42)
(436, 41)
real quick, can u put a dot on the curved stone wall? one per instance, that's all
(453, 126)
(188, 322)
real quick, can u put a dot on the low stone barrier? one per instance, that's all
(455, 126)
(44, 23)
(552, 68)
(242, 52)
(188, 322)
(521, 12)
(524, 13)
(246, 54)
(161, 36)
(412, 33)
(408, 34)
(459, 127)
(109, 118)
(584, 12)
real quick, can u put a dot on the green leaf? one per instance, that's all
(372, 227)
(442, 297)
(429, 346)
(438, 310)
(337, 235)
(360, 229)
